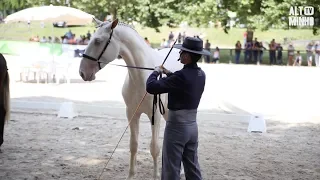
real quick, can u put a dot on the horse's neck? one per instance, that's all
(135, 52)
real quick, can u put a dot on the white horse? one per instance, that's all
(110, 40)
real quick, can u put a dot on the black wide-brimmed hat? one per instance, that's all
(193, 45)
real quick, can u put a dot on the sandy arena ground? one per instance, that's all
(40, 146)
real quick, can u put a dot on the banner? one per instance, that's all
(37, 48)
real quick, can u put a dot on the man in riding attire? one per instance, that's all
(184, 88)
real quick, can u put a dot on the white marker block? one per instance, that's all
(67, 110)
(257, 124)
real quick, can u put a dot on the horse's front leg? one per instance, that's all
(134, 135)
(154, 145)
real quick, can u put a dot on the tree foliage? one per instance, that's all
(262, 14)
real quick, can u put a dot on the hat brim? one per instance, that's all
(203, 52)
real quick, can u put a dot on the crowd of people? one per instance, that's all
(253, 53)
(253, 50)
(67, 38)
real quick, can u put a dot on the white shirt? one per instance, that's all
(216, 54)
(291, 50)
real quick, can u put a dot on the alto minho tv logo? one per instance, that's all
(301, 16)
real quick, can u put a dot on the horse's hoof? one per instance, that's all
(156, 177)
(129, 177)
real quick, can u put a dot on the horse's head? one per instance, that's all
(102, 48)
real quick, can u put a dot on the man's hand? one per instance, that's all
(161, 69)
(166, 71)
(158, 69)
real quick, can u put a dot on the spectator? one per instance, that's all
(309, 53)
(64, 40)
(298, 59)
(290, 54)
(164, 43)
(245, 37)
(238, 52)
(279, 54)
(255, 48)
(248, 52)
(89, 35)
(262, 48)
(171, 36)
(317, 53)
(50, 40)
(216, 55)
(68, 35)
(179, 38)
(43, 39)
(183, 36)
(272, 52)
(147, 41)
(207, 47)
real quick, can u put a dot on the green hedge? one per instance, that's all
(25, 47)
(225, 56)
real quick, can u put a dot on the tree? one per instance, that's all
(262, 14)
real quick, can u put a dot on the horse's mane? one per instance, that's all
(119, 23)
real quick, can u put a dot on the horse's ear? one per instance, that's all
(97, 21)
(114, 23)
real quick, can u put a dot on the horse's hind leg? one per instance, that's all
(154, 145)
(134, 135)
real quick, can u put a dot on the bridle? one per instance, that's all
(104, 49)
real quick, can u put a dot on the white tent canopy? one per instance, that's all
(51, 13)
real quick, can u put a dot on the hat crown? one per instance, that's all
(192, 43)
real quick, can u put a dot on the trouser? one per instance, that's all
(237, 57)
(260, 56)
(317, 59)
(2, 116)
(247, 56)
(207, 58)
(272, 57)
(180, 144)
(279, 58)
(255, 56)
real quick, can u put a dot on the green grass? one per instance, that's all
(217, 37)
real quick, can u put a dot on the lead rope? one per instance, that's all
(154, 106)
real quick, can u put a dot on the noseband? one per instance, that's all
(104, 49)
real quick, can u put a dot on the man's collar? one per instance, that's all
(191, 65)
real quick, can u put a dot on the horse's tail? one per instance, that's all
(6, 97)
